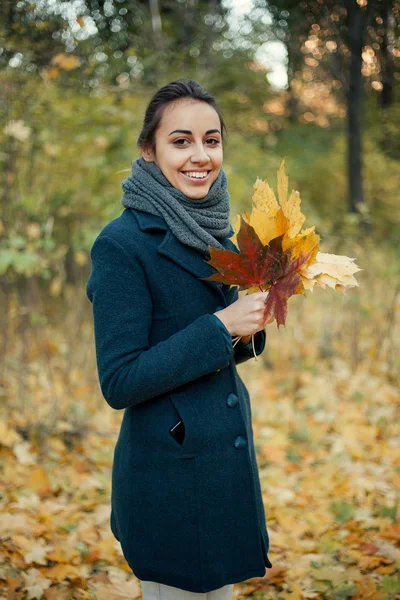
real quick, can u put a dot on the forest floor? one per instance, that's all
(328, 450)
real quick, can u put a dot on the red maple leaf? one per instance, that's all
(255, 265)
(284, 287)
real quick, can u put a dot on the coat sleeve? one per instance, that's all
(129, 370)
(243, 352)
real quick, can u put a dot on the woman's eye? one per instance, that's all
(178, 142)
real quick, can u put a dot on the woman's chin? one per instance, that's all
(199, 195)
(194, 193)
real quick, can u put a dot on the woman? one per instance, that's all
(186, 503)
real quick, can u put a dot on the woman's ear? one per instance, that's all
(147, 154)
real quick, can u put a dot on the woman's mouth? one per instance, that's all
(196, 177)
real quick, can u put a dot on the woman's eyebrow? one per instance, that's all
(190, 133)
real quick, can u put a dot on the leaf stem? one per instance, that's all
(236, 339)
(254, 350)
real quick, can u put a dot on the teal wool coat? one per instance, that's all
(190, 514)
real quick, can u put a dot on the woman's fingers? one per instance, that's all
(245, 316)
(259, 299)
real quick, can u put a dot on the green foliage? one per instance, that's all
(23, 262)
(390, 512)
(68, 149)
(345, 591)
(292, 455)
(68, 137)
(391, 584)
(316, 162)
(302, 434)
(343, 510)
(66, 152)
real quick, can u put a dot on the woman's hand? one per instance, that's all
(245, 316)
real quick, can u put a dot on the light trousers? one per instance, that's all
(159, 591)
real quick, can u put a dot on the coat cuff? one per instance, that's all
(242, 352)
(226, 335)
(245, 351)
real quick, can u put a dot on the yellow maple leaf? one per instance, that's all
(289, 218)
(264, 198)
(335, 270)
(281, 222)
(291, 210)
(283, 184)
(264, 225)
(292, 262)
(303, 242)
(236, 227)
(288, 242)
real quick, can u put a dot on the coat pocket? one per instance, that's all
(177, 431)
(187, 413)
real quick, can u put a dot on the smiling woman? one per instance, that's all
(189, 158)
(186, 502)
(181, 141)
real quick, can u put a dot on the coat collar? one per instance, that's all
(147, 221)
(185, 256)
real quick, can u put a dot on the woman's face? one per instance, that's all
(188, 146)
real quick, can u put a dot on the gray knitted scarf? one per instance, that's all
(196, 223)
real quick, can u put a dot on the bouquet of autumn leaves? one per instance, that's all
(275, 254)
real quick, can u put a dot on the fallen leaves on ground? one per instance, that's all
(328, 451)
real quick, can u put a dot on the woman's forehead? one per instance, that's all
(189, 114)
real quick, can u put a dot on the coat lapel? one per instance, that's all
(186, 257)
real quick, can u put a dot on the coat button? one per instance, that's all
(232, 399)
(240, 442)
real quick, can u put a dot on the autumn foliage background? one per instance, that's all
(74, 84)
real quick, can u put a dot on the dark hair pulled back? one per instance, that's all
(175, 90)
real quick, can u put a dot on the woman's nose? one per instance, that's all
(200, 155)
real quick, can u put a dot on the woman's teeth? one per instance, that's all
(196, 175)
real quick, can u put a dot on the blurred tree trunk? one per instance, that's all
(295, 60)
(356, 22)
(387, 63)
(156, 22)
(156, 27)
(5, 301)
(188, 33)
(23, 320)
(8, 172)
(211, 37)
(359, 16)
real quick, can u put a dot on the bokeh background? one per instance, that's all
(315, 82)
